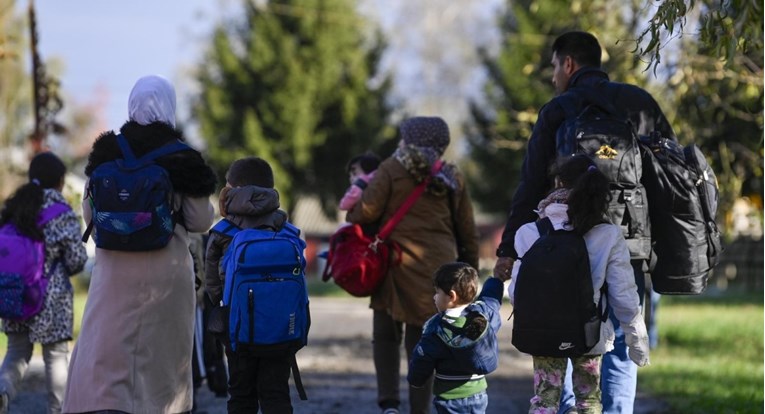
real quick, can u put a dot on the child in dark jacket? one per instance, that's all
(460, 342)
(249, 200)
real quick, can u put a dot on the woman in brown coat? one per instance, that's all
(438, 229)
(133, 354)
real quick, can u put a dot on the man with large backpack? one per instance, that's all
(578, 81)
(255, 274)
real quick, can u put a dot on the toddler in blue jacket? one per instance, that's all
(459, 343)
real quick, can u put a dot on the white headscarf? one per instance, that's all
(152, 99)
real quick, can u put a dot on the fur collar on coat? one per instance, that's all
(189, 173)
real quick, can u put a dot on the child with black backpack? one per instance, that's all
(460, 342)
(247, 255)
(549, 258)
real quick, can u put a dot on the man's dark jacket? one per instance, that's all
(636, 103)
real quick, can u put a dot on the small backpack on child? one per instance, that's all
(132, 201)
(553, 310)
(265, 291)
(22, 261)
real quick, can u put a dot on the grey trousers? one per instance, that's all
(386, 345)
(16, 362)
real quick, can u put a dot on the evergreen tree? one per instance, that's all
(290, 83)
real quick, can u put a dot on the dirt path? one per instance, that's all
(338, 373)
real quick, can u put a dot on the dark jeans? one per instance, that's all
(256, 382)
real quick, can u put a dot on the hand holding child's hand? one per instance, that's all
(503, 268)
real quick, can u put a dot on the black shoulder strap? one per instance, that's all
(225, 227)
(297, 379)
(131, 160)
(544, 226)
(602, 309)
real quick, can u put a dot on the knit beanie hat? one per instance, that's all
(430, 132)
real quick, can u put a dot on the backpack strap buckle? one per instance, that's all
(375, 243)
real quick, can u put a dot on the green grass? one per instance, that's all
(710, 355)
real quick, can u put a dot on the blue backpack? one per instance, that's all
(265, 291)
(265, 287)
(132, 201)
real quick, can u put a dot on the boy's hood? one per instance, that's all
(449, 330)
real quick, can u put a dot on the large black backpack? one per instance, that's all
(553, 311)
(682, 194)
(594, 127)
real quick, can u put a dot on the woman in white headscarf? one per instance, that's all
(134, 350)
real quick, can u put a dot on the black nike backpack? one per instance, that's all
(553, 311)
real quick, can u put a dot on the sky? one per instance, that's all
(105, 46)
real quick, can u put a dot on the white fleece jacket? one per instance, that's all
(610, 262)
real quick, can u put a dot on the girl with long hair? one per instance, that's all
(579, 203)
(64, 256)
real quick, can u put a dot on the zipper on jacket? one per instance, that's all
(251, 310)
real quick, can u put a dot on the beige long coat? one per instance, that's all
(134, 350)
(427, 235)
